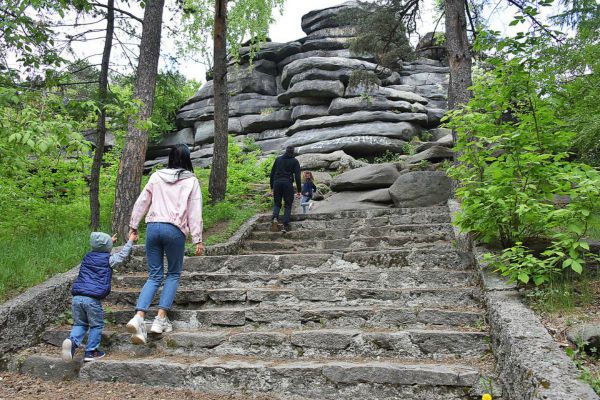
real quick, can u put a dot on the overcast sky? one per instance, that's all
(287, 27)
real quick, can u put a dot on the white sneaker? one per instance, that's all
(68, 350)
(161, 325)
(310, 204)
(137, 328)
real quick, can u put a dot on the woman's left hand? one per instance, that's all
(199, 249)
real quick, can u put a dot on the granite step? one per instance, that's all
(366, 316)
(336, 232)
(356, 244)
(416, 258)
(192, 298)
(308, 343)
(315, 379)
(350, 223)
(353, 278)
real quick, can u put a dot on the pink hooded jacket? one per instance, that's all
(171, 198)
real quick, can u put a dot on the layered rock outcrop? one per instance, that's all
(298, 94)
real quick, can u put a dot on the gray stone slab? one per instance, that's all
(357, 145)
(399, 130)
(358, 117)
(313, 88)
(376, 103)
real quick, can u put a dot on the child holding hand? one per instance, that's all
(91, 286)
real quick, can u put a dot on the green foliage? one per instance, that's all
(245, 19)
(381, 30)
(515, 159)
(172, 90)
(565, 294)
(590, 374)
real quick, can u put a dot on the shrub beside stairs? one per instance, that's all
(371, 304)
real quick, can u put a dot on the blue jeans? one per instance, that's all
(304, 202)
(162, 239)
(87, 314)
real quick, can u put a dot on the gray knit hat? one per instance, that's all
(101, 242)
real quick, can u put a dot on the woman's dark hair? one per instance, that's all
(179, 158)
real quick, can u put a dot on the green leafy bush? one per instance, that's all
(514, 161)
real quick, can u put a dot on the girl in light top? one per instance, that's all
(172, 203)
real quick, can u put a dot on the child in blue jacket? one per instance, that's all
(308, 190)
(91, 286)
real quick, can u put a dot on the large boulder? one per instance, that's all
(425, 78)
(307, 112)
(421, 189)
(359, 117)
(240, 80)
(205, 131)
(395, 130)
(343, 53)
(330, 161)
(343, 105)
(271, 51)
(319, 89)
(433, 154)
(355, 145)
(387, 92)
(350, 201)
(342, 75)
(328, 64)
(325, 18)
(374, 176)
(273, 120)
(242, 104)
(329, 43)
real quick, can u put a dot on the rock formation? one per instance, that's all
(298, 94)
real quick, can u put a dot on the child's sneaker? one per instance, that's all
(286, 228)
(68, 350)
(161, 325)
(93, 355)
(137, 328)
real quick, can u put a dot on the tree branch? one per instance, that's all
(534, 20)
(138, 19)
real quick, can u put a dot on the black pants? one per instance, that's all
(283, 190)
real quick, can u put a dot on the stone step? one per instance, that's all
(187, 298)
(368, 316)
(366, 277)
(405, 259)
(332, 233)
(358, 244)
(294, 344)
(293, 379)
(400, 219)
(364, 214)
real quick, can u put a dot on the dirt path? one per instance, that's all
(23, 387)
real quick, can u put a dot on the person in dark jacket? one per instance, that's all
(90, 287)
(285, 172)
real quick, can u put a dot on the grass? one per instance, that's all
(567, 294)
(44, 238)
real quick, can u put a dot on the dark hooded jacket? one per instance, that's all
(286, 168)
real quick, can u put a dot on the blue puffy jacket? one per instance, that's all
(94, 276)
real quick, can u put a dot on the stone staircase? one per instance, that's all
(361, 304)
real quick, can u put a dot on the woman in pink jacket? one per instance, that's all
(172, 203)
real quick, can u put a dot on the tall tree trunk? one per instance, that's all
(218, 173)
(459, 54)
(101, 126)
(131, 167)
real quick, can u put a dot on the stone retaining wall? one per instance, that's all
(529, 363)
(24, 318)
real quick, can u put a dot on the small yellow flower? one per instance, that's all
(486, 396)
